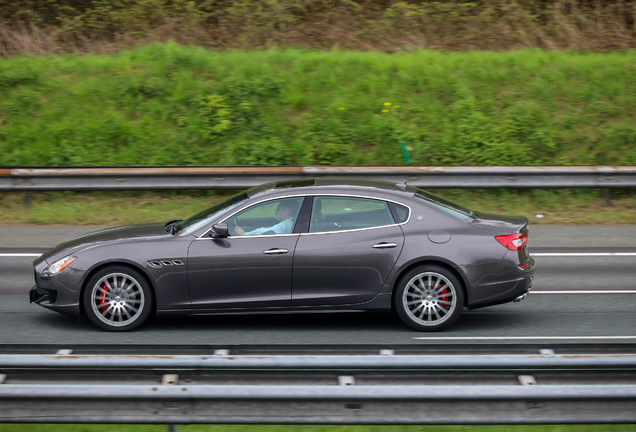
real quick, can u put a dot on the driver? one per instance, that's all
(284, 217)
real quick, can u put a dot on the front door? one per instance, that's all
(349, 252)
(252, 268)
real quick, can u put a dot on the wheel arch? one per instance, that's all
(127, 264)
(437, 261)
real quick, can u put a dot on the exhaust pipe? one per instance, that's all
(521, 297)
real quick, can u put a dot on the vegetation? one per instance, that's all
(120, 208)
(92, 100)
(47, 26)
(167, 104)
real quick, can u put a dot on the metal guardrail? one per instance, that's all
(319, 389)
(322, 362)
(157, 178)
(319, 404)
(571, 348)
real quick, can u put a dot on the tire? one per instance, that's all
(117, 299)
(429, 298)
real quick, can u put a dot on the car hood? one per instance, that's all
(495, 222)
(110, 235)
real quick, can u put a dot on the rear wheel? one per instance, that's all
(118, 299)
(429, 298)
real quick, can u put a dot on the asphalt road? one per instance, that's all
(589, 297)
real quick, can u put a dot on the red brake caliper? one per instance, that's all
(103, 294)
(444, 298)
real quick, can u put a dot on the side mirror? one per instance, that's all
(219, 231)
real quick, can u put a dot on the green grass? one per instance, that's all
(105, 208)
(118, 208)
(306, 428)
(167, 104)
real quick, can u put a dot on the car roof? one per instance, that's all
(315, 185)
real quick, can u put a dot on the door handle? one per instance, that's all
(275, 251)
(384, 245)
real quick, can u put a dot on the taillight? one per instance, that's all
(513, 241)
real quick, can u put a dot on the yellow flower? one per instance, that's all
(387, 103)
(340, 108)
(396, 106)
(385, 110)
(375, 115)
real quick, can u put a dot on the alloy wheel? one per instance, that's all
(429, 298)
(117, 299)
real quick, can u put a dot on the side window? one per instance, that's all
(268, 218)
(400, 213)
(343, 213)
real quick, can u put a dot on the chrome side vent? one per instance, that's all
(165, 263)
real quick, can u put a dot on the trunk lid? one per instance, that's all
(499, 223)
(503, 225)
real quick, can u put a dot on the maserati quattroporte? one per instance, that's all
(295, 246)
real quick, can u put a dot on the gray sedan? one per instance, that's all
(295, 246)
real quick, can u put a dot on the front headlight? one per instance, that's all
(59, 265)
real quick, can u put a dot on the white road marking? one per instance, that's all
(19, 255)
(521, 337)
(585, 292)
(581, 254)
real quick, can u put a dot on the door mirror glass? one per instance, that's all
(219, 231)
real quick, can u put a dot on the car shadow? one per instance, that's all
(298, 323)
(62, 322)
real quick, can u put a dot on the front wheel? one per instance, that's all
(118, 299)
(429, 298)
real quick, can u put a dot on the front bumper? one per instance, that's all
(48, 299)
(35, 296)
(52, 293)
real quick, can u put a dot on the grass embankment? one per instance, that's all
(119, 208)
(175, 105)
(306, 428)
(53, 26)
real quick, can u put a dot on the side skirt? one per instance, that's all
(379, 304)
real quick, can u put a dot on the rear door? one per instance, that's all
(352, 245)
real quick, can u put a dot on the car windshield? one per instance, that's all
(205, 217)
(444, 204)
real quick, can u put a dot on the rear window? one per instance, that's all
(399, 212)
(344, 213)
(444, 204)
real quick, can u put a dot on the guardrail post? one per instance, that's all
(172, 428)
(405, 153)
(608, 197)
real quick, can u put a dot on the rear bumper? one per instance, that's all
(509, 290)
